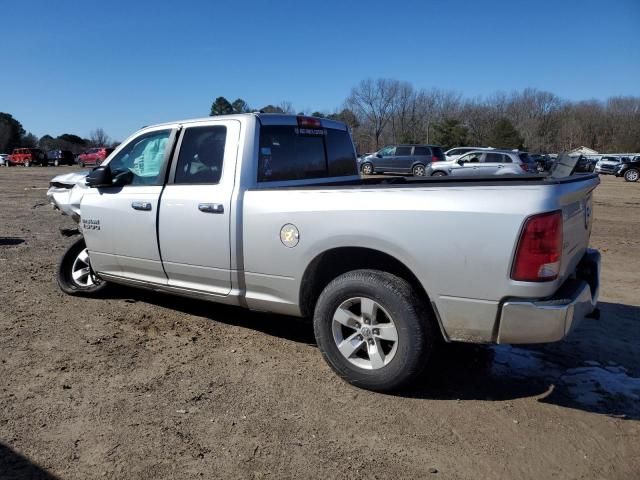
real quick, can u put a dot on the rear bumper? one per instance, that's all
(551, 319)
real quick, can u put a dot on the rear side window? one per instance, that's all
(437, 152)
(403, 151)
(291, 153)
(201, 155)
(495, 158)
(421, 151)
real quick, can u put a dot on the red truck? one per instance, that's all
(94, 156)
(28, 157)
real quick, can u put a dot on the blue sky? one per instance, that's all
(72, 66)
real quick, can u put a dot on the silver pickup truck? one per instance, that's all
(268, 212)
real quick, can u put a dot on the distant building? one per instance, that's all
(583, 151)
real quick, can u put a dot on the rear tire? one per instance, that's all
(56, 163)
(632, 175)
(81, 164)
(373, 330)
(418, 170)
(75, 275)
(27, 163)
(438, 174)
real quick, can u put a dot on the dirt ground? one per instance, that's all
(141, 385)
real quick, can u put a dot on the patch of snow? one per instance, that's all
(594, 385)
(591, 385)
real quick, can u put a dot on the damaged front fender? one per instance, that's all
(66, 191)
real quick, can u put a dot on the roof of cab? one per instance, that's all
(264, 118)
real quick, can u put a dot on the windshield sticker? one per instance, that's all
(309, 131)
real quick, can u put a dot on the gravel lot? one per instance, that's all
(141, 385)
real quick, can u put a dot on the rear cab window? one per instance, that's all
(288, 152)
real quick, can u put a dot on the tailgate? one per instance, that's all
(576, 202)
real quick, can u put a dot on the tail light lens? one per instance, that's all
(539, 249)
(434, 158)
(309, 122)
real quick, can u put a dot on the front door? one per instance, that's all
(195, 209)
(383, 161)
(466, 165)
(119, 222)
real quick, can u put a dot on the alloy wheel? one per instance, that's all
(364, 333)
(81, 270)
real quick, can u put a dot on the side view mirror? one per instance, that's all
(100, 177)
(460, 162)
(379, 155)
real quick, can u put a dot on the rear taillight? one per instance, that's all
(524, 167)
(539, 249)
(434, 158)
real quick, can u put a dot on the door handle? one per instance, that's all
(141, 206)
(211, 207)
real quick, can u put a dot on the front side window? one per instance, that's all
(386, 151)
(473, 157)
(141, 161)
(201, 155)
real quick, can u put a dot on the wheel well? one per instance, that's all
(333, 263)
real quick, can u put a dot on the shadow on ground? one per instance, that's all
(14, 466)
(10, 241)
(595, 369)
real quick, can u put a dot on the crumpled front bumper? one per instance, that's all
(551, 319)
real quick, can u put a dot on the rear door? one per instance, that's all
(119, 223)
(402, 160)
(195, 209)
(491, 163)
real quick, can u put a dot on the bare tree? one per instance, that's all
(373, 101)
(99, 138)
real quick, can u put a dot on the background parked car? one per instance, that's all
(455, 153)
(407, 159)
(543, 161)
(28, 157)
(4, 162)
(60, 157)
(584, 165)
(94, 156)
(607, 165)
(629, 170)
(484, 162)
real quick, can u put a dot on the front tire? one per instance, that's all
(439, 174)
(367, 169)
(373, 330)
(75, 275)
(27, 163)
(631, 175)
